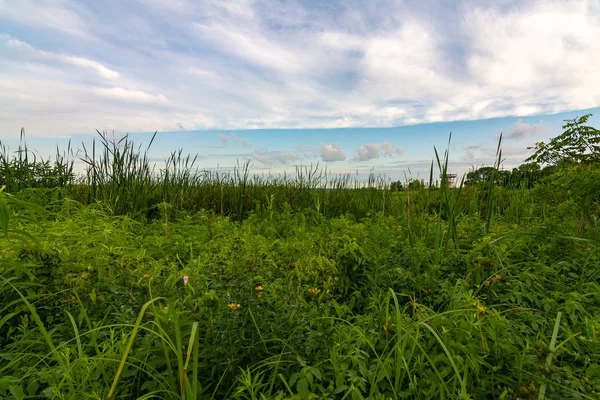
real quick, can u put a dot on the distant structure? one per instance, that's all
(450, 180)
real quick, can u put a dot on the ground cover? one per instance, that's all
(237, 287)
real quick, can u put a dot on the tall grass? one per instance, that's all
(23, 168)
(121, 175)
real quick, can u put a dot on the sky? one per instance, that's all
(354, 86)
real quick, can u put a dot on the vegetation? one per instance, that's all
(179, 283)
(578, 143)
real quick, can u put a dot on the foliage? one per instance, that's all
(396, 186)
(578, 143)
(27, 170)
(289, 290)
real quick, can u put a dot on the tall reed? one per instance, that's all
(122, 176)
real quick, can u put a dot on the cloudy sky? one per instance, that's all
(353, 85)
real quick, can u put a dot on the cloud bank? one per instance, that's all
(248, 64)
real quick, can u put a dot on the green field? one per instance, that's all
(304, 287)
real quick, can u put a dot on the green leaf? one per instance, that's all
(316, 373)
(309, 377)
(5, 382)
(17, 392)
(32, 388)
(302, 387)
(340, 389)
(4, 217)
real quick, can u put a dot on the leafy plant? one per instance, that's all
(579, 143)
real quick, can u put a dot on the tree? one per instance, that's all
(526, 174)
(415, 184)
(481, 175)
(396, 186)
(578, 143)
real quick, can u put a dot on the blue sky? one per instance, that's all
(353, 85)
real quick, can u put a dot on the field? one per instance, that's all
(133, 283)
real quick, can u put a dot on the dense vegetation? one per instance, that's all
(131, 282)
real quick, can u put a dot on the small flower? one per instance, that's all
(588, 249)
(234, 306)
(259, 295)
(314, 291)
(213, 275)
(259, 288)
(185, 279)
(481, 310)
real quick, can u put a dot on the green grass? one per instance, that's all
(309, 286)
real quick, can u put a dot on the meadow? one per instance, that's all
(135, 282)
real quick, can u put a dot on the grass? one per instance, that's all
(304, 286)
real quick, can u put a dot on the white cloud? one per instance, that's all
(367, 152)
(522, 130)
(470, 152)
(536, 52)
(56, 15)
(249, 46)
(388, 148)
(372, 151)
(82, 62)
(273, 157)
(135, 96)
(225, 138)
(332, 152)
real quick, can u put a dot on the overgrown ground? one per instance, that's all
(477, 292)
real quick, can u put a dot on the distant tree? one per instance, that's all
(525, 175)
(481, 175)
(415, 184)
(578, 143)
(396, 186)
(529, 168)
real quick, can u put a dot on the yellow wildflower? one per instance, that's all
(480, 309)
(234, 306)
(314, 291)
(259, 288)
